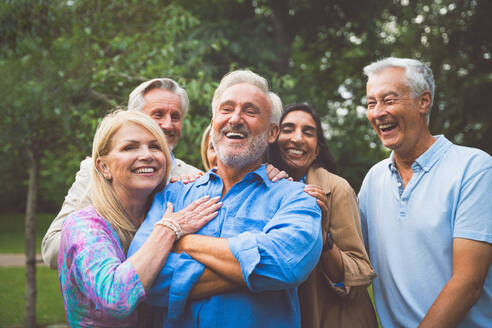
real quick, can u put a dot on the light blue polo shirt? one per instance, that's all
(409, 231)
(273, 230)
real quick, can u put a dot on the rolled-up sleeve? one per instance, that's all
(283, 254)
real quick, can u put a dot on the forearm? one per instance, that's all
(151, 257)
(451, 305)
(333, 264)
(471, 262)
(214, 253)
(210, 284)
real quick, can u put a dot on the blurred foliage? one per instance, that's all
(64, 64)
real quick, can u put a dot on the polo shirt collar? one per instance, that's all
(430, 157)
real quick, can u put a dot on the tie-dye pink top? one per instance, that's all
(99, 287)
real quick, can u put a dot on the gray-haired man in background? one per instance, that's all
(167, 104)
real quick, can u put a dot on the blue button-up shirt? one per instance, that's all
(273, 230)
(409, 230)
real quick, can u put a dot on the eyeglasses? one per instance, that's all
(385, 102)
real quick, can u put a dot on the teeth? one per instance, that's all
(235, 135)
(145, 170)
(386, 126)
(295, 151)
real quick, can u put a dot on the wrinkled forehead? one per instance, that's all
(391, 79)
(244, 94)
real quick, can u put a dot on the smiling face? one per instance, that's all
(135, 164)
(397, 117)
(241, 127)
(164, 107)
(298, 142)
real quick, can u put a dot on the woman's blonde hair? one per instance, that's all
(204, 148)
(102, 194)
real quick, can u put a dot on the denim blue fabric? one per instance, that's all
(274, 231)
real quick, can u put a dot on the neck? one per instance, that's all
(135, 204)
(298, 173)
(230, 176)
(404, 159)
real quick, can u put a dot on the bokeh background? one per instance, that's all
(64, 64)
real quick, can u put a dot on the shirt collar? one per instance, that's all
(212, 175)
(430, 157)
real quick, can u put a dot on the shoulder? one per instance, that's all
(290, 192)
(469, 157)
(331, 183)
(374, 179)
(86, 221)
(83, 228)
(182, 168)
(378, 169)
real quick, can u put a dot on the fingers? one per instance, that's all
(190, 178)
(269, 169)
(196, 203)
(315, 191)
(192, 220)
(173, 179)
(280, 175)
(208, 207)
(169, 208)
(323, 206)
(206, 219)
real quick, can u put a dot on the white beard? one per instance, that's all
(246, 154)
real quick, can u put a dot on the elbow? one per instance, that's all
(475, 289)
(118, 309)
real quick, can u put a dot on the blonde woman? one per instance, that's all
(100, 285)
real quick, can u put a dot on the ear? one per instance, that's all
(211, 123)
(103, 169)
(425, 102)
(273, 132)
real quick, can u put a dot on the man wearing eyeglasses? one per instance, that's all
(426, 211)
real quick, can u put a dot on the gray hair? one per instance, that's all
(276, 107)
(238, 77)
(136, 100)
(419, 77)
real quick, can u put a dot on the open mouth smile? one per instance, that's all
(144, 170)
(235, 135)
(386, 127)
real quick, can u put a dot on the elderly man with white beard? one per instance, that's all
(243, 267)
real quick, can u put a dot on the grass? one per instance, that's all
(12, 233)
(49, 305)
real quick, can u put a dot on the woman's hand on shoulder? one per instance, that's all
(319, 193)
(186, 178)
(275, 174)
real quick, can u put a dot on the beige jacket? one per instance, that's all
(77, 198)
(323, 304)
